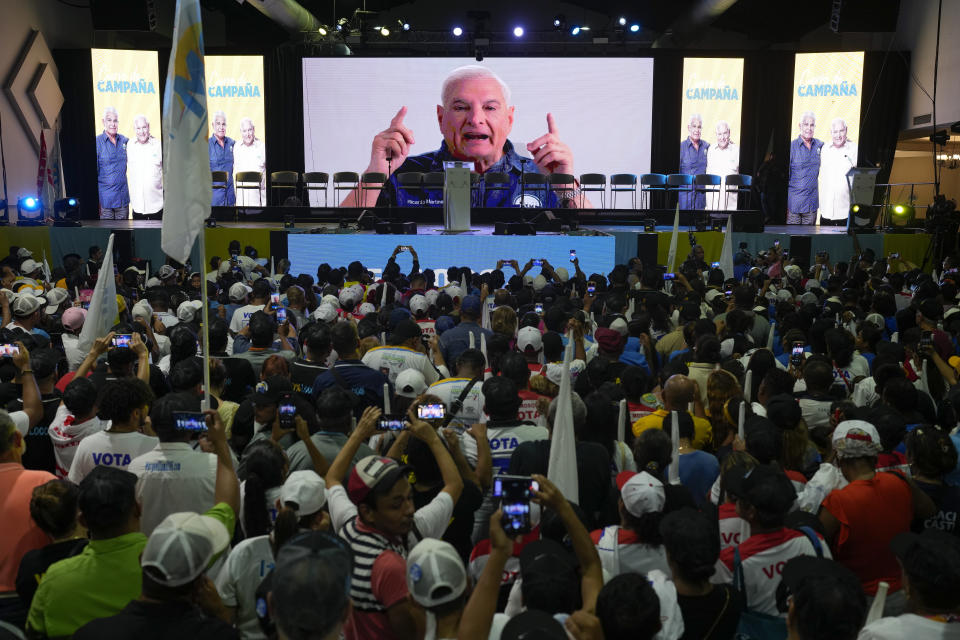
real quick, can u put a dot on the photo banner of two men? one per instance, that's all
(235, 104)
(710, 128)
(825, 125)
(126, 107)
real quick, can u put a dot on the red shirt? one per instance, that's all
(871, 512)
(528, 406)
(389, 584)
(19, 533)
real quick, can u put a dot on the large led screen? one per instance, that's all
(826, 123)
(710, 130)
(600, 112)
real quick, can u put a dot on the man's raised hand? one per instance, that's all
(550, 154)
(392, 143)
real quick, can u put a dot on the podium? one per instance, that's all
(861, 182)
(456, 196)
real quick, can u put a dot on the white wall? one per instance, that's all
(62, 27)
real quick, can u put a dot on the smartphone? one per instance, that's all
(926, 339)
(895, 256)
(515, 493)
(573, 254)
(591, 288)
(287, 411)
(796, 354)
(669, 276)
(274, 300)
(728, 293)
(430, 411)
(776, 243)
(538, 308)
(9, 350)
(121, 340)
(189, 421)
(715, 265)
(391, 423)
(538, 262)
(281, 315)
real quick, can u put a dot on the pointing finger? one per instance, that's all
(398, 119)
(551, 124)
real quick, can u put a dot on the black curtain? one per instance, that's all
(77, 131)
(667, 95)
(283, 80)
(885, 80)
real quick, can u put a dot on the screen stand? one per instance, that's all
(456, 199)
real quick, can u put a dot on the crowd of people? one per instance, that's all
(764, 454)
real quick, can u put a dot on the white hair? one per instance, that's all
(140, 116)
(838, 121)
(112, 110)
(219, 113)
(697, 117)
(469, 72)
(248, 121)
(722, 124)
(808, 114)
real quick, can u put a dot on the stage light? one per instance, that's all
(406, 26)
(29, 211)
(518, 32)
(384, 31)
(634, 28)
(862, 218)
(575, 31)
(902, 215)
(559, 22)
(322, 31)
(457, 31)
(622, 21)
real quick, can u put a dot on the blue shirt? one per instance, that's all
(364, 382)
(455, 341)
(511, 163)
(221, 159)
(803, 196)
(693, 161)
(112, 172)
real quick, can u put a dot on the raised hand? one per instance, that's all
(392, 143)
(550, 153)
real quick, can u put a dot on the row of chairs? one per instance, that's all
(648, 185)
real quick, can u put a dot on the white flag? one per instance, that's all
(562, 469)
(726, 253)
(186, 158)
(672, 254)
(103, 311)
(622, 419)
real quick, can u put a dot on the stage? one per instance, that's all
(601, 239)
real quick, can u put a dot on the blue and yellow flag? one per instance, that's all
(186, 164)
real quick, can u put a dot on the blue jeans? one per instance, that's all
(113, 213)
(808, 217)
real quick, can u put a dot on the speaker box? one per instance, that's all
(800, 248)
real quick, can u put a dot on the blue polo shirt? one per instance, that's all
(511, 163)
(693, 161)
(364, 382)
(221, 159)
(112, 172)
(803, 196)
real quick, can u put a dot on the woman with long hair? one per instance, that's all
(722, 386)
(265, 467)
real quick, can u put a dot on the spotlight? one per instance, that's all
(322, 31)
(902, 215)
(622, 21)
(560, 22)
(518, 32)
(862, 219)
(29, 211)
(575, 31)
(634, 28)
(384, 31)
(457, 31)
(66, 212)
(406, 26)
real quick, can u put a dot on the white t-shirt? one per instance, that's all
(431, 520)
(246, 566)
(471, 412)
(172, 478)
(109, 449)
(241, 317)
(909, 625)
(71, 348)
(392, 360)
(271, 496)
(67, 437)
(145, 175)
(816, 413)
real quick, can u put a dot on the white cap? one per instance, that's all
(142, 310)
(410, 383)
(529, 337)
(418, 303)
(23, 252)
(539, 282)
(306, 489)
(620, 326)
(331, 300)
(562, 274)
(182, 546)
(189, 310)
(55, 297)
(784, 295)
(876, 320)
(808, 297)
(325, 313)
(454, 292)
(431, 296)
(435, 573)
(348, 294)
(793, 272)
(528, 280)
(641, 493)
(166, 271)
(366, 307)
(25, 304)
(711, 295)
(29, 266)
(856, 439)
(153, 282)
(238, 291)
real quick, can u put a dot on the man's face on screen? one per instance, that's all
(246, 132)
(723, 137)
(110, 123)
(839, 134)
(142, 128)
(807, 126)
(220, 127)
(476, 123)
(695, 128)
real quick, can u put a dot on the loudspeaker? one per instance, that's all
(384, 227)
(800, 248)
(647, 249)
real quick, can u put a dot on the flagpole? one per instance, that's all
(202, 237)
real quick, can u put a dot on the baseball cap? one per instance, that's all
(166, 271)
(181, 547)
(620, 325)
(431, 295)
(609, 340)
(306, 489)
(529, 337)
(310, 583)
(365, 308)
(471, 304)
(142, 310)
(189, 310)
(269, 391)
(562, 274)
(238, 291)
(876, 320)
(808, 298)
(455, 292)
(55, 297)
(533, 624)
(418, 303)
(931, 309)
(29, 266)
(348, 294)
(793, 272)
(784, 411)
(539, 282)
(331, 300)
(325, 312)
(711, 295)
(765, 487)
(856, 439)
(153, 282)
(641, 492)
(370, 472)
(72, 319)
(410, 383)
(435, 573)
(26, 304)
(405, 330)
